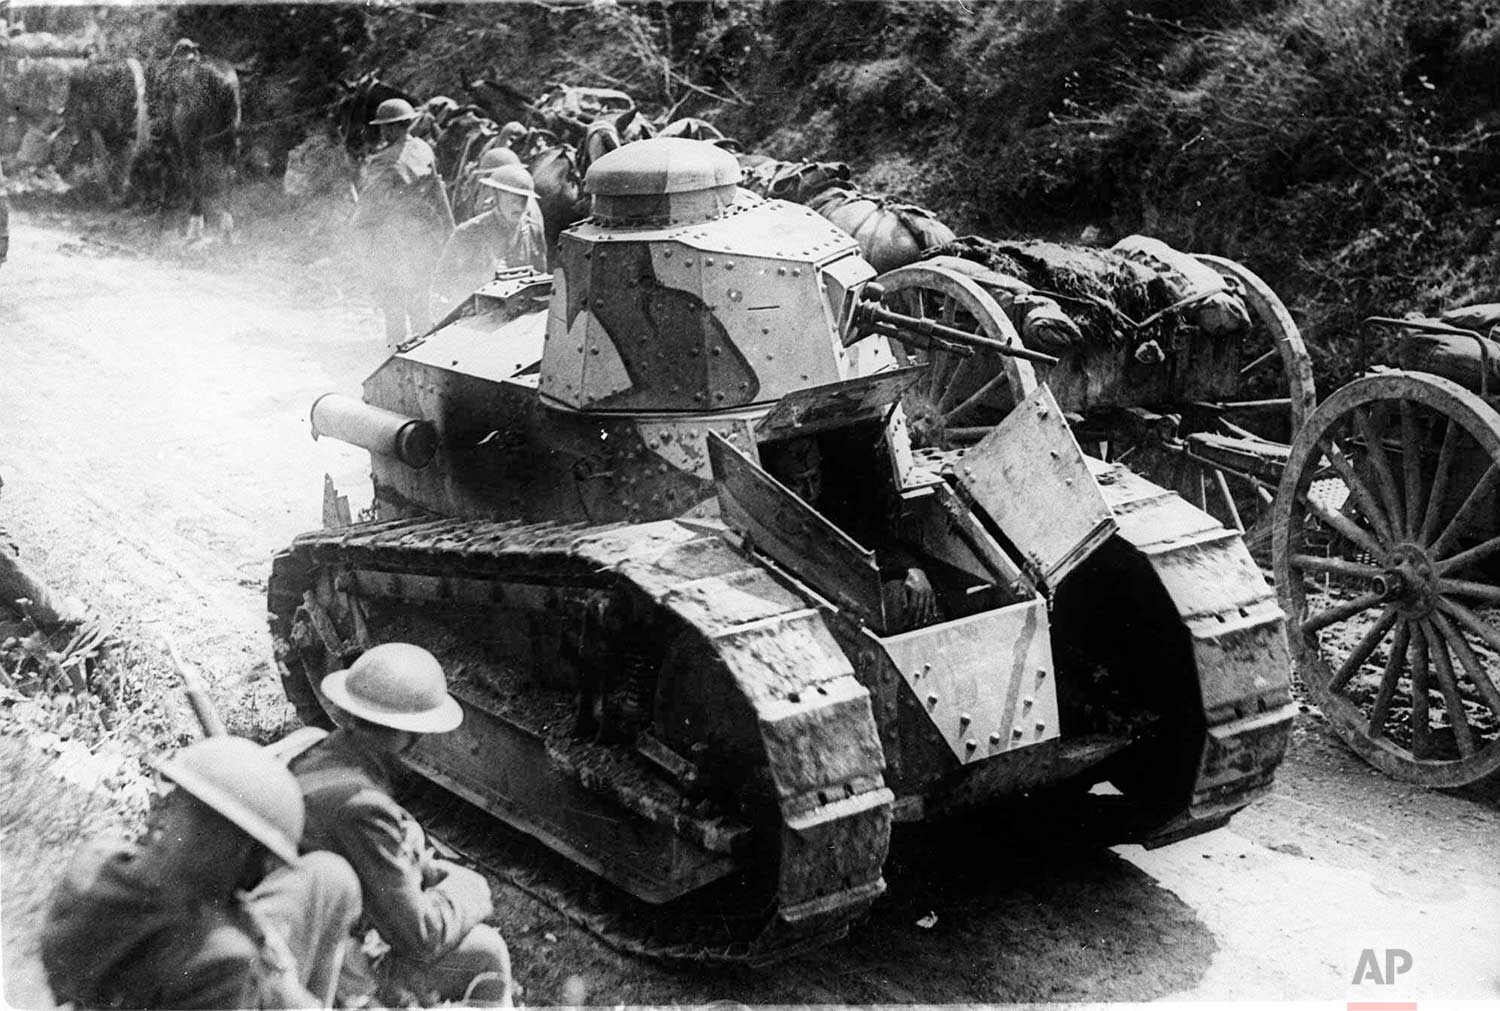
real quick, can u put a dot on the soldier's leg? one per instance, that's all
(313, 905)
(482, 953)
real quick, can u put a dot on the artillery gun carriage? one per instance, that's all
(691, 671)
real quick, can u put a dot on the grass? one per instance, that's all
(42, 820)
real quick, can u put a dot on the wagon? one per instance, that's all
(1387, 559)
(1209, 415)
(1378, 510)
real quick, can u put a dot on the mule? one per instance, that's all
(200, 112)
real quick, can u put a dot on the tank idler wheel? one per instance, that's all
(1387, 555)
(962, 396)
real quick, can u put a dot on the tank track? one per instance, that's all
(1237, 640)
(1236, 646)
(828, 801)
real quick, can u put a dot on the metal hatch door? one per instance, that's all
(794, 534)
(1030, 477)
(833, 405)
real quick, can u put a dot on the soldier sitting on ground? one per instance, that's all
(190, 918)
(509, 234)
(429, 910)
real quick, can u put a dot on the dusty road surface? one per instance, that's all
(154, 445)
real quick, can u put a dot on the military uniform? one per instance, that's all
(403, 219)
(485, 244)
(117, 938)
(430, 911)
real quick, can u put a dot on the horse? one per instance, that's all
(106, 112)
(559, 191)
(608, 133)
(200, 113)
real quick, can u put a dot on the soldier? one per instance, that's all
(189, 918)
(429, 910)
(509, 234)
(470, 198)
(403, 218)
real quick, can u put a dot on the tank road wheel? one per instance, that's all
(1387, 553)
(1226, 457)
(962, 396)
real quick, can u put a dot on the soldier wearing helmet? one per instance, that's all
(429, 910)
(403, 219)
(470, 198)
(509, 234)
(189, 918)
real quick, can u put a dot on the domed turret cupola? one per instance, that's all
(669, 181)
(684, 293)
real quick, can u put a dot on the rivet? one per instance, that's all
(666, 252)
(781, 271)
(932, 700)
(995, 737)
(1017, 733)
(1026, 702)
(708, 261)
(796, 272)
(971, 744)
(926, 667)
(765, 329)
(1041, 725)
(1041, 672)
(1054, 454)
(729, 265)
(965, 719)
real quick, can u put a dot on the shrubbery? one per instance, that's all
(1342, 148)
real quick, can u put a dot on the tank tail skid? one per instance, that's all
(802, 829)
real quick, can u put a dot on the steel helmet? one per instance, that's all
(393, 110)
(396, 685)
(247, 785)
(511, 179)
(496, 157)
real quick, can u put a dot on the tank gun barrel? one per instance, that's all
(870, 316)
(410, 440)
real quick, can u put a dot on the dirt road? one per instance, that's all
(155, 449)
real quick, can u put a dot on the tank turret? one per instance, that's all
(684, 293)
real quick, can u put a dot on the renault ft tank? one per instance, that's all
(714, 625)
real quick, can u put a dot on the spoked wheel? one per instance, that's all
(1228, 455)
(962, 396)
(1387, 553)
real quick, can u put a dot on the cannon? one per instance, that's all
(659, 517)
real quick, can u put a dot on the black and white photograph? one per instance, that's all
(749, 503)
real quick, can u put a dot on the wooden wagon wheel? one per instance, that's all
(1387, 539)
(1229, 454)
(961, 397)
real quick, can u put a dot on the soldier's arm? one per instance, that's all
(425, 922)
(228, 971)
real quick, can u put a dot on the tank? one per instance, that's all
(715, 626)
